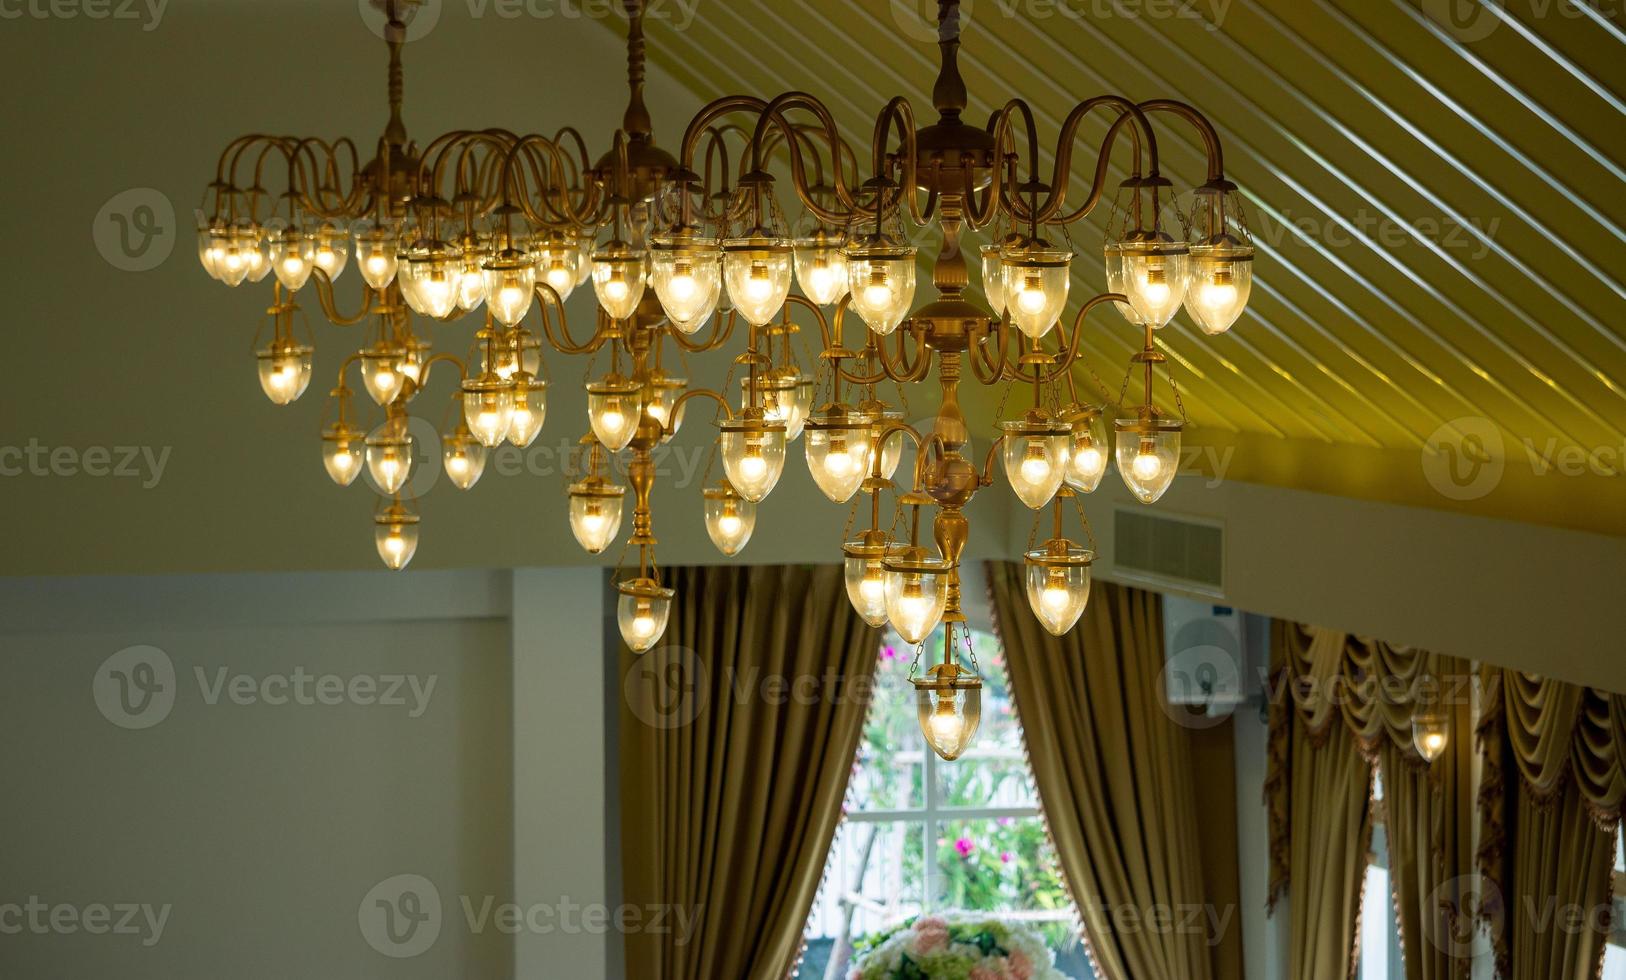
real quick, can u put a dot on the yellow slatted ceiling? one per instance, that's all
(1439, 206)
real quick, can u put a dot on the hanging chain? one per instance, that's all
(1083, 519)
(1179, 405)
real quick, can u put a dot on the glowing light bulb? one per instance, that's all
(643, 621)
(820, 279)
(593, 520)
(512, 294)
(1147, 466)
(384, 380)
(1088, 461)
(753, 467)
(729, 525)
(612, 420)
(615, 290)
(394, 544)
(1155, 284)
(1432, 745)
(1055, 598)
(878, 293)
(873, 589)
(458, 464)
(377, 265)
(1035, 467)
(838, 462)
(682, 286)
(560, 278)
(291, 264)
(759, 286)
(1031, 299)
(1219, 293)
(946, 725)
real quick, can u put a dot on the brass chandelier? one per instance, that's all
(680, 249)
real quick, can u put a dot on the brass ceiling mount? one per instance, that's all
(952, 157)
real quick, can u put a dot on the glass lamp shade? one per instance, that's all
(866, 577)
(463, 458)
(993, 279)
(376, 255)
(389, 457)
(821, 269)
(688, 278)
(1430, 733)
(1037, 279)
(948, 705)
(343, 450)
(293, 256)
(414, 355)
(395, 532)
(614, 407)
(1036, 457)
(916, 593)
(212, 240)
(595, 513)
(838, 448)
(382, 372)
(779, 398)
(584, 257)
(1058, 581)
(488, 408)
(1221, 282)
(881, 276)
(285, 371)
(1087, 459)
(757, 273)
(427, 275)
(332, 250)
(662, 394)
(510, 285)
(251, 245)
(469, 276)
(1148, 455)
(238, 255)
(753, 451)
(558, 259)
(642, 612)
(530, 409)
(730, 519)
(1113, 252)
(1155, 272)
(619, 277)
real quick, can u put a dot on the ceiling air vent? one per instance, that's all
(1182, 553)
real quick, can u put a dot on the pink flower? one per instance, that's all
(931, 935)
(1006, 857)
(1021, 966)
(964, 846)
(888, 653)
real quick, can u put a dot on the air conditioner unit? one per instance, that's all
(1212, 655)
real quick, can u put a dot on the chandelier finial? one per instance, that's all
(949, 94)
(636, 122)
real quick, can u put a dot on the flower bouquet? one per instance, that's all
(955, 946)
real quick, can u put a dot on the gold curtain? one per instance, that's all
(1349, 703)
(1554, 785)
(738, 736)
(1114, 775)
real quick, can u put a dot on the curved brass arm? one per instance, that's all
(722, 329)
(324, 296)
(986, 477)
(1061, 168)
(1064, 364)
(562, 341)
(670, 428)
(1205, 129)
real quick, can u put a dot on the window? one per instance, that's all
(1380, 955)
(925, 835)
(1614, 954)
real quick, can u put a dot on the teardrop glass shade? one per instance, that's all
(1148, 456)
(642, 613)
(1058, 586)
(949, 718)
